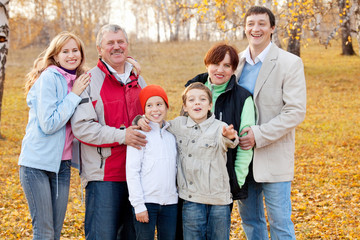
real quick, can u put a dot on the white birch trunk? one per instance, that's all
(4, 45)
(356, 6)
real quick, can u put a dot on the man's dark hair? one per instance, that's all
(254, 10)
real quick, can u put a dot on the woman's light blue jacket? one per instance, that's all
(51, 107)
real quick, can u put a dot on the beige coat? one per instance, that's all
(280, 101)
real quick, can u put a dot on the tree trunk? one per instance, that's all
(158, 20)
(4, 46)
(177, 24)
(356, 6)
(294, 46)
(346, 42)
(168, 20)
(295, 37)
(275, 36)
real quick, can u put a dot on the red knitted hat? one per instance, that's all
(152, 91)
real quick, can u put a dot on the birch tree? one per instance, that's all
(356, 6)
(294, 28)
(344, 13)
(4, 35)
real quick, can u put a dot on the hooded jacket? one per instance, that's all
(151, 171)
(51, 107)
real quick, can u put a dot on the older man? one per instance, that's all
(276, 80)
(102, 123)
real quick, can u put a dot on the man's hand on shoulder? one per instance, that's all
(134, 138)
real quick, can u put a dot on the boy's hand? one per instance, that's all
(229, 132)
(142, 217)
(143, 123)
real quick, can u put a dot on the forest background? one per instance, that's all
(325, 193)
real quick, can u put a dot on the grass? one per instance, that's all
(326, 189)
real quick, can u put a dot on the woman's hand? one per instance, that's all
(81, 83)
(135, 64)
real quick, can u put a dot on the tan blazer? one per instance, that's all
(280, 101)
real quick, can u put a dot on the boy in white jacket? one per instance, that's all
(151, 171)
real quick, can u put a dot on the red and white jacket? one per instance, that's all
(100, 121)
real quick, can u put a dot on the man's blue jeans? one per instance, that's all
(163, 217)
(47, 197)
(278, 206)
(108, 210)
(206, 222)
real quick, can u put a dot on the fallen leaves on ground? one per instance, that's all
(326, 188)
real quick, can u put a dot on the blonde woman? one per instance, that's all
(53, 87)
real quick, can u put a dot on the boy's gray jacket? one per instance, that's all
(202, 174)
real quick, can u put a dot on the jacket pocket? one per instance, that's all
(284, 164)
(182, 145)
(207, 148)
(104, 153)
(147, 166)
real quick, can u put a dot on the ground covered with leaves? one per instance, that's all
(326, 189)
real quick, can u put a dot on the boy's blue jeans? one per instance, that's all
(203, 221)
(278, 206)
(164, 217)
(47, 199)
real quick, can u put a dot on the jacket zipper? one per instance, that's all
(101, 157)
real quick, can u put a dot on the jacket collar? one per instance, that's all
(203, 125)
(70, 78)
(101, 64)
(260, 58)
(67, 76)
(156, 126)
(265, 70)
(267, 67)
(203, 78)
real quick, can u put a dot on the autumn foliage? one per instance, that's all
(326, 189)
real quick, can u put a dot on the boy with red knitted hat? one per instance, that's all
(151, 171)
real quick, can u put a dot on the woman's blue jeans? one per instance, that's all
(164, 217)
(206, 222)
(47, 196)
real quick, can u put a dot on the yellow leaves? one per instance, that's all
(325, 191)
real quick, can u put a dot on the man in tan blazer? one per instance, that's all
(276, 79)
